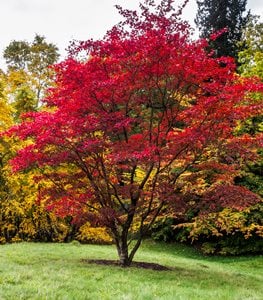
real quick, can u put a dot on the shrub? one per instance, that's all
(95, 235)
(228, 232)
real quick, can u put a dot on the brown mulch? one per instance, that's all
(136, 264)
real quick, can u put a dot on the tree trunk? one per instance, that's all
(124, 257)
(123, 253)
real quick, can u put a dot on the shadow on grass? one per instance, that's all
(135, 264)
(188, 276)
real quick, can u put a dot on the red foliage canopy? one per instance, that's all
(145, 110)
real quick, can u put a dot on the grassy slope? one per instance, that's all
(55, 271)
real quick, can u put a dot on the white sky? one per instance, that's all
(61, 21)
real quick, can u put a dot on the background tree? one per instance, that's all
(215, 15)
(32, 59)
(251, 64)
(137, 125)
(251, 57)
(17, 55)
(20, 217)
(20, 94)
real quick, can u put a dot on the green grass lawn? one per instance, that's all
(57, 271)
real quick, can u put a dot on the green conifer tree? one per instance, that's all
(215, 15)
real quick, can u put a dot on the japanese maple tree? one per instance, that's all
(129, 132)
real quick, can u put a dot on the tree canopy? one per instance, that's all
(146, 123)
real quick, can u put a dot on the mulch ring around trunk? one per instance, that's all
(136, 264)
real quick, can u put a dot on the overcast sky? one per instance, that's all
(60, 21)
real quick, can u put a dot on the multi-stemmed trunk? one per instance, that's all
(126, 250)
(126, 256)
(121, 234)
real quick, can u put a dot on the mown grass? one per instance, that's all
(57, 271)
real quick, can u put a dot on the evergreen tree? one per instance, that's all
(215, 15)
